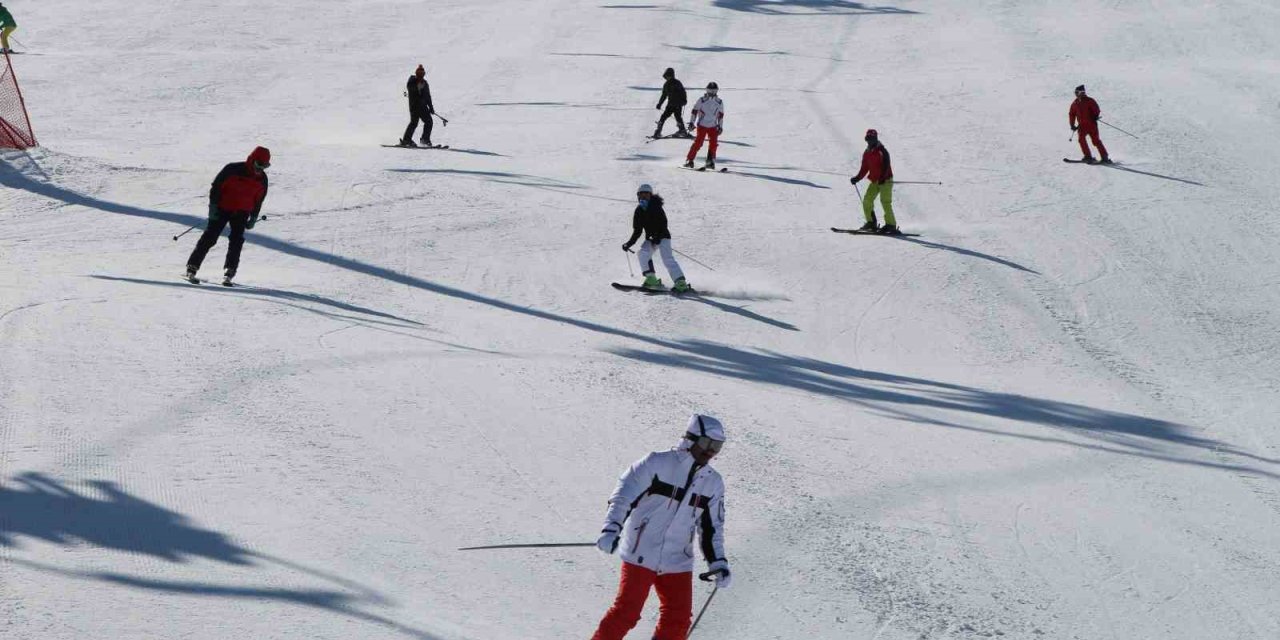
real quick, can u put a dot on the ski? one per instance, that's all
(673, 136)
(401, 146)
(859, 232)
(1069, 160)
(192, 279)
(705, 168)
(653, 292)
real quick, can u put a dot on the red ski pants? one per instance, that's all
(1092, 133)
(704, 133)
(675, 610)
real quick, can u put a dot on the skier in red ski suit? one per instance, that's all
(1086, 112)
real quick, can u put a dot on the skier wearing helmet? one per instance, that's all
(878, 170)
(674, 95)
(708, 116)
(236, 199)
(1083, 116)
(650, 219)
(666, 505)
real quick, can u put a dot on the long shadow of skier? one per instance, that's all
(816, 7)
(966, 252)
(1118, 167)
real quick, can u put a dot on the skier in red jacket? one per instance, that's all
(236, 198)
(878, 170)
(1086, 112)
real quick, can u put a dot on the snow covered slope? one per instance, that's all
(1050, 416)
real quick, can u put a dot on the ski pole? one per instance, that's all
(692, 258)
(537, 545)
(1120, 130)
(702, 611)
(629, 271)
(175, 238)
(442, 118)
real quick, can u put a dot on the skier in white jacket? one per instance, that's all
(666, 505)
(708, 115)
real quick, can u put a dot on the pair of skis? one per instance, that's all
(423, 147)
(671, 292)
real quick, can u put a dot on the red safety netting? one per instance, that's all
(15, 125)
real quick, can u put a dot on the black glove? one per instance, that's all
(214, 214)
(253, 219)
(626, 246)
(1073, 127)
(853, 181)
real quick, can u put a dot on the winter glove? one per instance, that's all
(724, 578)
(853, 181)
(626, 246)
(608, 541)
(214, 214)
(1073, 127)
(253, 219)
(719, 130)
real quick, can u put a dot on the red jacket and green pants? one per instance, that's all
(877, 169)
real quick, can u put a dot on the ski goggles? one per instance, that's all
(706, 443)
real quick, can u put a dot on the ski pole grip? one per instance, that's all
(710, 575)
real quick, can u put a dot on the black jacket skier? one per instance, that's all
(650, 220)
(420, 107)
(674, 95)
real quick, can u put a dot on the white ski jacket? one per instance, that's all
(708, 112)
(664, 504)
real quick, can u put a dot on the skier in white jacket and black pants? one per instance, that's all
(708, 116)
(665, 506)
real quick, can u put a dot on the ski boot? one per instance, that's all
(870, 227)
(709, 166)
(889, 230)
(1088, 159)
(651, 281)
(657, 133)
(681, 285)
(1107, 160)
(688, 165)
(191, 275)
(684, 134)
(425, 143)
(226, 279)
(406, 142)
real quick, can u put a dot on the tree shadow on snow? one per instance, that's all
(36, 506)
(815, 7)
(889, 394)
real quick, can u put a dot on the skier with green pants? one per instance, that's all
(7, 25)
(878, 170)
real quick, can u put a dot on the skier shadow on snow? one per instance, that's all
(1153, 175)
(765, 176)
(287, 298)
(818, 7)
(966, 252)
(519, 179)
(724, 49)
(33, 505)
(743, 311)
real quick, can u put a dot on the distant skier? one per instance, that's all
(420, 108)
(1086, 112)
(7, 26)
(235, 199)
(674, 94)
(673, 501)
(650, 219)
(878, 170)
(708, 116)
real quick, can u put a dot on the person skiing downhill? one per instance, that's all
(650, 219)
(1083, 116)
(675, 96)
(7, 26)
(664, 506)
(420, 108)
(236, 199)
(878, 170)
(708, 116)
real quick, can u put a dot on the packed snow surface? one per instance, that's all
(1052, 415)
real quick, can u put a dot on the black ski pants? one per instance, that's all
(414, 117)
(676, 110)
(210, 238)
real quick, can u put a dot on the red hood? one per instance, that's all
(260, 154)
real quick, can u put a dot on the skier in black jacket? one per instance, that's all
(675, 97)
(420, 108)
(651, 220)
